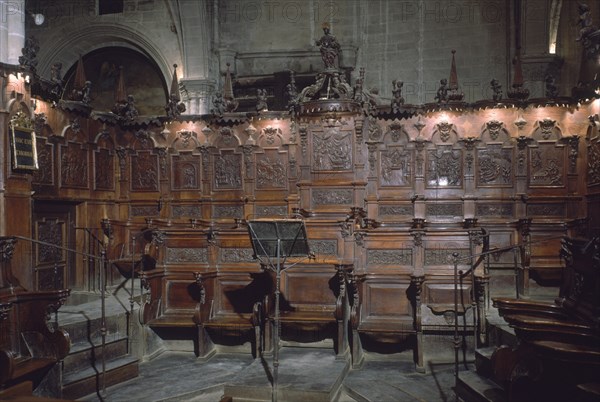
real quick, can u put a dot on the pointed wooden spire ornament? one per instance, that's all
(454, 94)
(230, 103)
(124, 104)
(81, 86)
(517, 92)
(174, 107)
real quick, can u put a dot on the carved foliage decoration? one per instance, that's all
(45, 174)
(180, 211)
(390, 257)
(323, 247)
(443, 256)
(236, 255)
(270, 210)
(271, 171)
(546, 166)
(144, 171)
(495, 210)
(228, 211)
(444, 168)
(182, 255)
(494, 166)
(73, 166)
(186, 140)
(553, 210)
(185, 172)
(446, 210)
(405, 210)
(593, 164)
(332, 149)
(396, 167)
(332, 197)
(228, 171)
(143, 210)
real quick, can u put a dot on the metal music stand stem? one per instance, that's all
(298, 247)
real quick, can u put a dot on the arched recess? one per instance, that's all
(143, 79)
(66, 48)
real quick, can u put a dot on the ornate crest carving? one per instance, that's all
(270, 135)
(547, 128)
(395, 131)
(375, 132)
(270, 173)
(444, 129)
(494, 128)
(227, 137)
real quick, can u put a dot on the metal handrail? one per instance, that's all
(103, 263)
(459, 275)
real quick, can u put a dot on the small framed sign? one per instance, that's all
(24, 151)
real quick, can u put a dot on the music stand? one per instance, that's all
(277, 238)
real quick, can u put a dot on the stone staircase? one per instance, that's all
(480, 383)
(82, 369)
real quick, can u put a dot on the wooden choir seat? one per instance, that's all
(395, 320)
(31, 344)
(561, 339)
(313, 305)
(229, 309)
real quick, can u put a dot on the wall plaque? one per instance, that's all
(24, 151)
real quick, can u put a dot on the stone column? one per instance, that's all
(197, 95)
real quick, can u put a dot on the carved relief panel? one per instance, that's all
(546, 165)
(73, 162)
(444, 168)
(185, 172)
(104, 169)
(593, 162)
(144, 171)
(332, 149)
(228, 171)
(396, 167)
(44, 176)
(271, 170)
(494, 166)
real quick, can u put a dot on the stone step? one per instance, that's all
(87, 354)
(483, 361)
(90, 380)
(471, 387)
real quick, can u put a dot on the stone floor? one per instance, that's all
(179, 376)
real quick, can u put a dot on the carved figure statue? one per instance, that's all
(126, 109)
(261, 100)
(56, 79)
(551, 88)
(174, 107)
(397, 99)
(330, 47)
(86, 92)
(28, 59)
(442, 92)
(585, 22)
(292, 93)
(497, 89)
(218, 104)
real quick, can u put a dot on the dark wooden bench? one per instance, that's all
(314, 304)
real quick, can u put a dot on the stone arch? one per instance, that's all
(69, 47)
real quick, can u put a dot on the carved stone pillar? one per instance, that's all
(196, 95)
